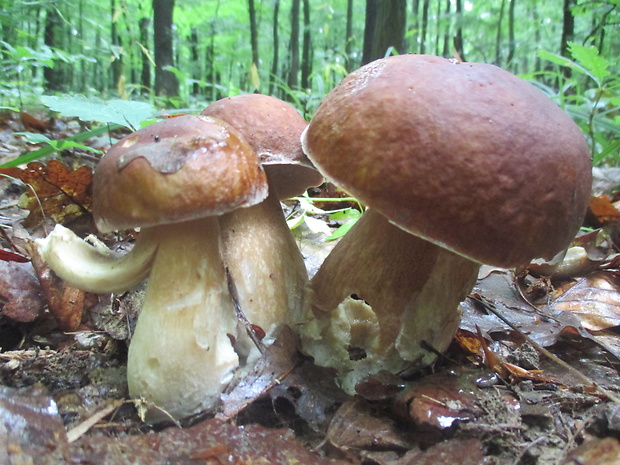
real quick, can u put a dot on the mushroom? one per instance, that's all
(459, 164)
(261, 254)
(172, 179)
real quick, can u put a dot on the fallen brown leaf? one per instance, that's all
(55, 191)
(21, 298)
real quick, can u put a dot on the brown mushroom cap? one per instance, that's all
(176, 170)
(465, 155)
(273, 129)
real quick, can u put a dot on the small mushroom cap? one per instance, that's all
(273, 129)
(465, 155)
(175, 170)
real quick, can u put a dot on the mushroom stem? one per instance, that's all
(94, 267)
(181, 356)
(266, 266)
(378, 295)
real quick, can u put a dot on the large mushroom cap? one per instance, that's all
(273, 129)
(176, 170)
(465, 155)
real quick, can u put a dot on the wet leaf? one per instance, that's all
(21, 298)
(212, 442)
(31, 431)
(355, 427)
(55, 191)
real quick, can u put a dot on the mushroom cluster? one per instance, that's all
(213, 243)
(459, 164)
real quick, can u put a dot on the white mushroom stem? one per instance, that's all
(92, 266)
(266, 266)
(181, 357)
(378, 295)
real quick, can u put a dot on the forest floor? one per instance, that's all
(530, 378)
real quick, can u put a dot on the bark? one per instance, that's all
(349, 37)
(253, 32)
(568, 32)
(511, 32)
(196, 68)
(294, 46)
(446, 34)
(145, 75)
(306, 56)
(116, 41)
(384, 28)
(425, 6)
(276, 47)
(166, 83)
(458, 38)
(415, 25)
(498, 34)
(52, 37)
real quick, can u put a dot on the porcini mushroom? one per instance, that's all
(173, 180)
(262, 257)
(460, 164)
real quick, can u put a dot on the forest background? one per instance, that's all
(183, 54)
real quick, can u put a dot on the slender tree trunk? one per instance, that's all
(349, 37)
(145, 75)
(212, 75)
(253, 33)
(414, 29)
(498, 34)
(458, 38)
(276, 48)
(384, 28)
(53, 76)
(116, 41)
(196, 68)
(511, 33)
(425, 6)
(165, 81)
(446, 35)
(306, 55)
(568, 32)
(294, 46)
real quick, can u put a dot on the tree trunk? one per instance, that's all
(568, 32)
(196, 68)
(166, 83)
(212, 75)
(458, 38)
(276, 47)
(145, 75)
(511, 33)
(54, 79)
(446, 34)
(116, 41)
(384, 28)
(349, 37)
(498, 34)
(294, 46)
(253, 33)
(306, 55)
(414, 29)
(425, 6)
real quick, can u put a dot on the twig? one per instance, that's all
(490, 307)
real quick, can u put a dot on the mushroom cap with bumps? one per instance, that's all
(178, 169)
(465, 155)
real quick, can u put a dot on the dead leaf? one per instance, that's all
(597, 451)
(59, 193)
(65, 302)
(8, 256)
(355, 427)
(31, 431)
(20, 292)
(595, 300)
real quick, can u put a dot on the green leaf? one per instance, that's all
(122, 112)
(589, 58)
(35, 138)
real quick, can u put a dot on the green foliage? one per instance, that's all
(590, 93)
(120, 112)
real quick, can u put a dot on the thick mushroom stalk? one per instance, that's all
(181, 356)
(266, 266)
(367, 314)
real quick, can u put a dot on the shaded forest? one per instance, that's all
(195, 51)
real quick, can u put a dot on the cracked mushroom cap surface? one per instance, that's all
(178, 169)
(465, 155)
(273, 128)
